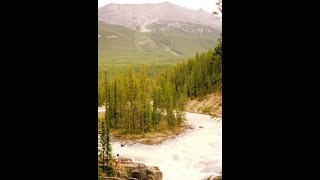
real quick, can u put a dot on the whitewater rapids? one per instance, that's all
(194, 155)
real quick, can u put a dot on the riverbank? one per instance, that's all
(150, 138)
(130, 170)
(210, 105)
(155, 136)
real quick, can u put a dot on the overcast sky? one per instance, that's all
(207, 5)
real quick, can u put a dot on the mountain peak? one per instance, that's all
(166, 2)
(200, 10)
(142, 15)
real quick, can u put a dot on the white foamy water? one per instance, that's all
(193, 155)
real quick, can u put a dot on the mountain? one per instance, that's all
(142, 15)
(154, 34)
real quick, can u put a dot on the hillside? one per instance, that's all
(210, 104)
(141, 15)
(154, 34)
(118, 45)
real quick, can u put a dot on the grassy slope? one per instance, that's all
(119, 46)
(210, 104)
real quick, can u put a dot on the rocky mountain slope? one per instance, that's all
(210, 104)
(154, 34)
(140, 16)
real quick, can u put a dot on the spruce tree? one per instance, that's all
(103, 141)
(108, 143)
(106, 124)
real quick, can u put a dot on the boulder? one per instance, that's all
(130, 166)
(157, 175)
(151, 177)
(140, 171)
(136, 174)
(200, 127)
(153, 167)
(148, 172)
(137, 171)
(212, 177)
(125, 160)
(140, 165)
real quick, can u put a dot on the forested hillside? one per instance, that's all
(138, 103)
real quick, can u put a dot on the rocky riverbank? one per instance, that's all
(134, 171)
(211, 104)
(212, 177)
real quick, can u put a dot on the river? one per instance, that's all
(193, 155)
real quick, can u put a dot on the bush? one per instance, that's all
(206, 109)
(109, 171)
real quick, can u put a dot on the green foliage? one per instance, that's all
(105, 142)
(119, 47)
(106, 124)
(109, 171)
(139, 102)
(206, 109)
(106, 171)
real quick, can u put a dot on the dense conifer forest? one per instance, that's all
(139, 103)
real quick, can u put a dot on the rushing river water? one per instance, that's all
(193, 155)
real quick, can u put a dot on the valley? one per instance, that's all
(135, 35)
(159, 86)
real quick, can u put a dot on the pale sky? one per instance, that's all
(207, 5)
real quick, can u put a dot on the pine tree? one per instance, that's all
(155, 116)
(108, 144)
(147, 113)
(103, 141)
(125, 105)
(116, 102)
(106, 115)
(105, 137)
(170, 114)
(197, 56)
(131, 99)
(101, 97)
(143, 100)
